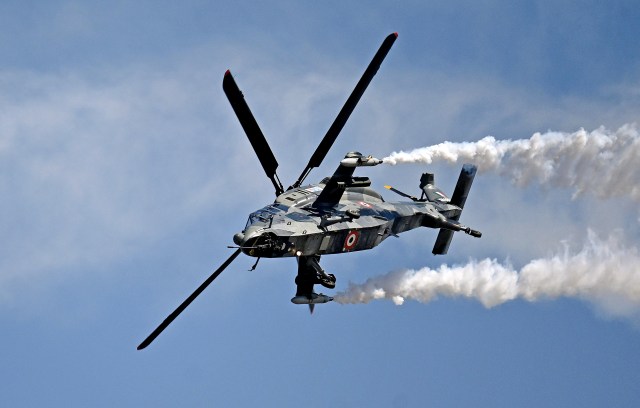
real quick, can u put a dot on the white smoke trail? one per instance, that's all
(603, 272)
(600, 162)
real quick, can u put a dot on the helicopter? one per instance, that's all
(341, 214)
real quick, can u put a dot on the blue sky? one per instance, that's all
(124, 174)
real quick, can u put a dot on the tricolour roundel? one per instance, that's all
(351, 240)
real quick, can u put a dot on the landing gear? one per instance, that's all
(323, 278)
(310, 273)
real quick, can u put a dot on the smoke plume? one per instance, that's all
(601, 162)
(603, 272)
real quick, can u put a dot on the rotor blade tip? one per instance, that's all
(396, 34)
(387, 187)
(228, 72)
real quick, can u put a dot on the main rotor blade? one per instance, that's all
(251, 128)
(347, 109)
(187, 302)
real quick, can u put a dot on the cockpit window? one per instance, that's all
(258, 216)
(265, 214)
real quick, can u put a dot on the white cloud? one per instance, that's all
(601, 162)
(603, 272)
(96, 166)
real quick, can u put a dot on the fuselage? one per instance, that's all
(361, 220)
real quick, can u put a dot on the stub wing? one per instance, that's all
(343, 178)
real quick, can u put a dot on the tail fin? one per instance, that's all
(459, 198)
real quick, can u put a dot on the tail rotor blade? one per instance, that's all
(251, 128)
(187, 302)
(347, 109)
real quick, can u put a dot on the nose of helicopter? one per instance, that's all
(238, 238)
(248, 237)
(258, 242)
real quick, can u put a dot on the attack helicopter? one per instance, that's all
(341, 214)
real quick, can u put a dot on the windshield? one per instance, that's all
(265, 214)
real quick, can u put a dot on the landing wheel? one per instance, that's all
(328, 281)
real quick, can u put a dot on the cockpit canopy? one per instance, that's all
(264, 215)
